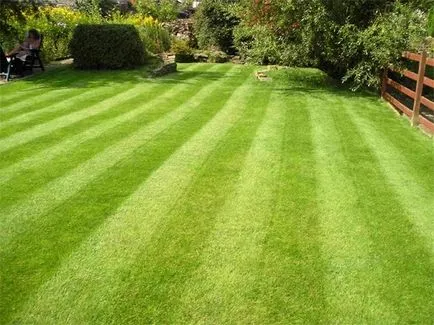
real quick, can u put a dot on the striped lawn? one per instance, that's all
(208, 197)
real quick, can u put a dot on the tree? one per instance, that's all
(12, 10)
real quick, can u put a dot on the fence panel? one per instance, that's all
(416, 95)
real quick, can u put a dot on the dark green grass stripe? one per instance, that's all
(31, 100)
(164, 269)
(415, 195)
(222, 288)
(66, 77)
(135, 221)
(407, 281)
(64, 147)
(75, 219)
(34, 178)
(28, 149)
(21, 90)
(351, 273)
(40, 130)
(291, 282)
(61, 106)
(60, 189)
(34, 111)
(59, 97)
(416, 149)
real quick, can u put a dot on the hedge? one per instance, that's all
(107, 46)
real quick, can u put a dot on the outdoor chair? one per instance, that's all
(33, 61)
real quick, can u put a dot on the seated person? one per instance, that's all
(21, 51)
(3, 61)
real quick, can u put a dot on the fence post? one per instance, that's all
(419, 89)
(383, 82)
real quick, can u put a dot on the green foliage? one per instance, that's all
(352, 40)
(57, 25)
(214, 24)
(431, 23)
(383, 42)
(164, 10)
(180, 46)
(183, 52)
(109, 46)
(96, 8)
(217, 57)
(12, 16)
(155, 37)
(257, 44)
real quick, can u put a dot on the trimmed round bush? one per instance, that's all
(110, 46)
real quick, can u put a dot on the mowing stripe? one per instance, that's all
(406, 286)
(220, 291)
(35, 101)
(64, 147)
(38, 144)
(346, 244)
(174, 251)
(37, 110)
(291, 270)
(418, 202)
(13, 93)
(46, 128)
(64, 105)
(418, 150)
(62, 188)
(67, 120)
(100, 259)
(64, 227)
(69, 144)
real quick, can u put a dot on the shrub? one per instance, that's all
(109, 46)
(96, 9)
(431, 22)
(164, 10)
(183, 52)
(154, 36)
(382, 44)
(56, 24)
(217, 57)
(214, 24)
(350, 40)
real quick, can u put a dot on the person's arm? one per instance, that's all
(18, 48)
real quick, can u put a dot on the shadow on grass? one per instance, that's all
(314, 82)
(68, 77)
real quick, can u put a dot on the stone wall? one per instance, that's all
(182, 29)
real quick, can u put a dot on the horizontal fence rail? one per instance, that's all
(416, 95)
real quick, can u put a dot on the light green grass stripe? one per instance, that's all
(61, 189)
(62, 148)
(89, 278)
(46, 128)
(345, 243)
(66, 120)
(62, 104)
(18, 88)
(418, 202)
(34, 99)
(221, 289)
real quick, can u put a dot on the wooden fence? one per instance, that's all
(416, 95)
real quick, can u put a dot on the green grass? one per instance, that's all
(208, 197)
